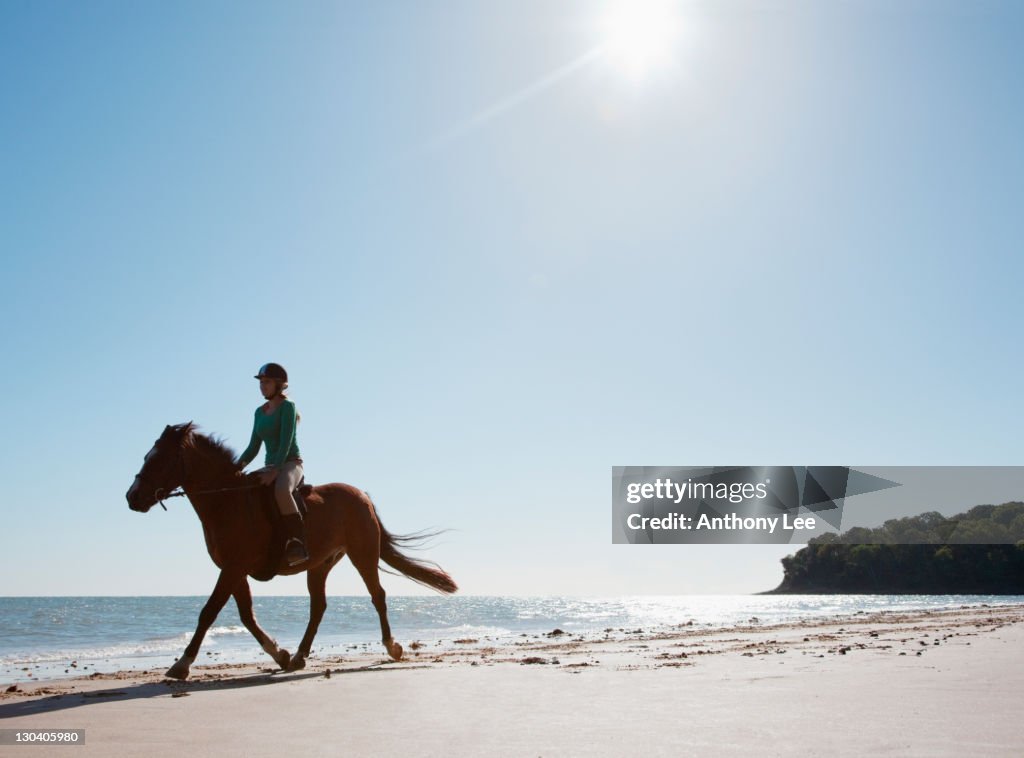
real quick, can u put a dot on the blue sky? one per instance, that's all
(494, 274)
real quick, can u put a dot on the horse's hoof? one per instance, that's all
(283, 659)
(179, 670)
(297, 663)
(394, 650)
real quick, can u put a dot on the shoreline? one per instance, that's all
(485, 646)
(953, 676)
(230, 643)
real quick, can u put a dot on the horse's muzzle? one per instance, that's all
(133, 496)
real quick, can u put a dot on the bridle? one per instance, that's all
(159, 495)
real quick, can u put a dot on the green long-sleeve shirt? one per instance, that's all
(277, 431)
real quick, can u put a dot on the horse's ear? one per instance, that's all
(176, 430)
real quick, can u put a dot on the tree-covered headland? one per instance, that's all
(977, 552)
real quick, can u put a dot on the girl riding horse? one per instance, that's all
(274, 425)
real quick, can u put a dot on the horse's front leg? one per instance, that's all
(243, 598)
(226, 584)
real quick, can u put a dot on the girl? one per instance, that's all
(274, 425)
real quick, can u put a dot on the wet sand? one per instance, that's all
(919, 683)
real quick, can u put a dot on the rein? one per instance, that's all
(179, 492)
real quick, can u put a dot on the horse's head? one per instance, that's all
(162, 470)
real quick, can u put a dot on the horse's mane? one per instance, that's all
(212, 448)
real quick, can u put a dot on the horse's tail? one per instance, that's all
(426, 573)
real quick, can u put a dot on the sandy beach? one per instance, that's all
(921, 683)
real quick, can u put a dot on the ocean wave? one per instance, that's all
(217, 631)
(149, 647)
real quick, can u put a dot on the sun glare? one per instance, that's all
(639, 36)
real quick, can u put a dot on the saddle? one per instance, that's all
(262, 499)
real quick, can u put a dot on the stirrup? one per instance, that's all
(295, 552)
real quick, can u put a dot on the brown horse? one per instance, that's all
(341, 520)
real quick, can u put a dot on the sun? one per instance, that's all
(640, 36)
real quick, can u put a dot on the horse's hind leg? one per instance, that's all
(243, 598)
(367, 567)
(226, 583)
(316, 582)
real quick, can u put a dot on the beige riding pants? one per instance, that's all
(289, 474)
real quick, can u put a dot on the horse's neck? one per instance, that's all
(203, 475)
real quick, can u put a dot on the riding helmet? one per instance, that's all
(272, 371)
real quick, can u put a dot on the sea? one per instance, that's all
(44, 638)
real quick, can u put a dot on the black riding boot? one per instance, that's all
(295, 545)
